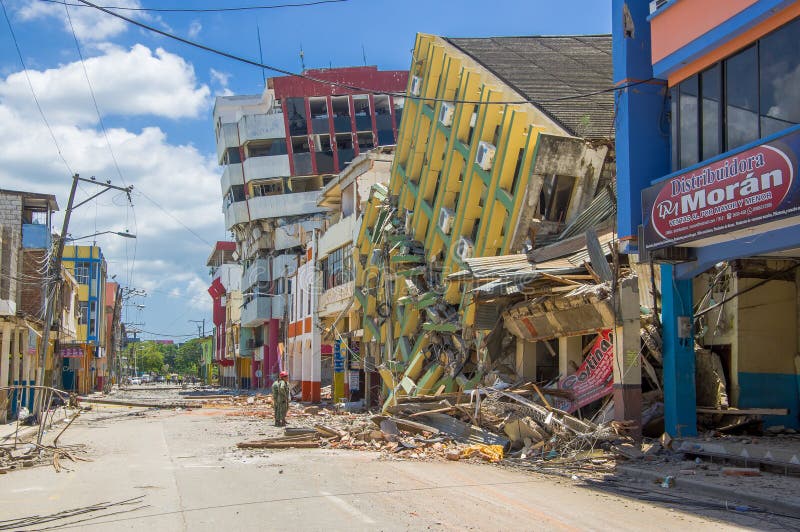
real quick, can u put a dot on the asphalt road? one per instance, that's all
(190, 476)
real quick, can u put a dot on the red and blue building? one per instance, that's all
(708, 143)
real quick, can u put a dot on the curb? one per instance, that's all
(702, 488)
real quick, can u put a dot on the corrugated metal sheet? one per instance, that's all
(602, 207)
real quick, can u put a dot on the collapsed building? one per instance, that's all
(493, 159)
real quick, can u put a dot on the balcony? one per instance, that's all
(257, 272)
(262, 126)
(335, 300)
(266, 167)
(35, 236)
(257, 311)
(266, 207)
(228, 138)
(233, 175)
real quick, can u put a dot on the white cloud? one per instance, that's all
(194, 29)
(91, 25)
(125, 82)
(221, 79)
(180, 178)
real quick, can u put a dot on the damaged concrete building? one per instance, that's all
(278, 150)
(494, 158)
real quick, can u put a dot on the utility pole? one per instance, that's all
(201, 327)
(54, 274)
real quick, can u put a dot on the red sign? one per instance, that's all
(594, 378)
(749, 188)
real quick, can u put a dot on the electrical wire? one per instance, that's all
(165, 211)
(130, 265)
(205, 10)
(33, 92)
(348, 86)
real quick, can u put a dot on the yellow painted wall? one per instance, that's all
(767, 327)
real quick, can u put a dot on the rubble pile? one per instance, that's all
(518, 427)
(24, 449)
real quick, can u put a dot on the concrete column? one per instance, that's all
(5, 351)
(570, 354)
(525, 360)
(271, 363)
(680, 403)
(27, 371)
(627, 350)
(16, 363)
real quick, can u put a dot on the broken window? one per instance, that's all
(271, 188)
(301, 156)
(555, 197)
(319, 115)
(362, 113)
(324, 154)
(232, 156)
(266, 148)
(383, 120)
(344, 145)
(341, 114)
(296, 110)
(398, 103)
(366, 141)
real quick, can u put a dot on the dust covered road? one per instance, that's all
(183, 471)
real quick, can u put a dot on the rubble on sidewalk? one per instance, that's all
(24, 449)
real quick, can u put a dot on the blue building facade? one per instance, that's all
(708, 144)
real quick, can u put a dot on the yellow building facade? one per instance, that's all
(479, 171)
(83, 361)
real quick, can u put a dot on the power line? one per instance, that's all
(129, 264)
(202, 10)
(347, 85)
(33, 92)
(154, 202)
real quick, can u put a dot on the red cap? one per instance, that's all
(284, 374)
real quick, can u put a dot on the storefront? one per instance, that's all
(708, 149)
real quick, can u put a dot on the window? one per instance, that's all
(780, 77)
(268, 189)
(741, 101)
(749, 95)
(296, 112)
(555, 197)
(337, 267)
(711, 109)
(82, 270)
(266, 148)
(689, 91)
(83, 313)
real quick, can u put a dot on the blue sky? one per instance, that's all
(155, 96)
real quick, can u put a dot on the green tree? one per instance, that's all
(187, 358)
(150, 357)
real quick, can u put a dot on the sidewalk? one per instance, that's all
(8, 430)
(772, 492)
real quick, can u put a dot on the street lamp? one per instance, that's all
(125, 234)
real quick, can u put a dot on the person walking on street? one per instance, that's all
(280, 398)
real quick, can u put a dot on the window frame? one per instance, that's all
(722, 118)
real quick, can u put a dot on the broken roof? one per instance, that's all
(548, 70)
(508, 274)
